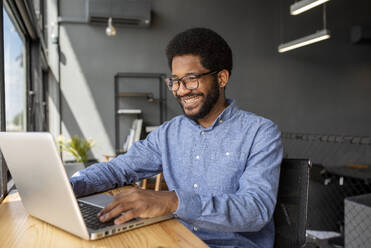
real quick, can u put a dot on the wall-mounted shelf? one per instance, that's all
(121, 94)
(129, 111)
(149, 96)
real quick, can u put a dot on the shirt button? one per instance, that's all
(197, 157)
(195, 228)
(227, 153)
(195, 185)
(202, 132)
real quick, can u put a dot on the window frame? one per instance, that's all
(16, 19)
(4, 169)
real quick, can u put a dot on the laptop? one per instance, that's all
(46, 193)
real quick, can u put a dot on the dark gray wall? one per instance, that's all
(326, 87)
(323, 88)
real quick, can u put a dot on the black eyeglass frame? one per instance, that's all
(169, 81)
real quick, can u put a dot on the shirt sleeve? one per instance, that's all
(252, 206)
(143, 160)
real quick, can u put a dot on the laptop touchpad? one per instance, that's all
(99, 200)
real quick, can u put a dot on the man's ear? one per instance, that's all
(223, 78)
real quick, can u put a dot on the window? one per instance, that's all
(23, 90)
(14, 76)
(13, 89)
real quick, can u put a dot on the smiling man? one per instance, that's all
(221, 164)
(201, 103)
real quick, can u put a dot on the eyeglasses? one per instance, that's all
(190, 81)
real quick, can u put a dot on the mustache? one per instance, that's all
(189, 95)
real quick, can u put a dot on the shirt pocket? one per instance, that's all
(224, 170)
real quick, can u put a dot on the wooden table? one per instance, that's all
(18, 229)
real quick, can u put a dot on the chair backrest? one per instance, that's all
(290, 215)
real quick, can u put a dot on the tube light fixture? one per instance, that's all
(304, 5)
(310, 39)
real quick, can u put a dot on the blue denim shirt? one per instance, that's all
(225, 176)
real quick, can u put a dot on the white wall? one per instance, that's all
(53, 62)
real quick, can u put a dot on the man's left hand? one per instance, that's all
(141, 203)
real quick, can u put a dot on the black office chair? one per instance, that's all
(290, 215)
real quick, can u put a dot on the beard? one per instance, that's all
(208, 102)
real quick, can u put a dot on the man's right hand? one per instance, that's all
(141, 203)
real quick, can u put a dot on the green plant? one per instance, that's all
(78, 147)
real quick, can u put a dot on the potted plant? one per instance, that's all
(79, 149)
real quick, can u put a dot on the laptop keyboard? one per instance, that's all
(89, 214)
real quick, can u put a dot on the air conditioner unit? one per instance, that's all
(129, 13)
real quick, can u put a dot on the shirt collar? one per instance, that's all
(227, 114)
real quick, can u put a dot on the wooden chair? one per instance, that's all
(144, 182)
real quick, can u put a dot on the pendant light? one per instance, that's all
(110, 30)
(320, 35)
(304, 5)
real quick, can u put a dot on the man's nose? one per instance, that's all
(182, 90)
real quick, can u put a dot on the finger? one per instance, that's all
(122, 197)
(129, 215)
(116, 211)
(108, 208)
(119, 198)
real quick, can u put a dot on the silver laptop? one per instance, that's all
(46, 193)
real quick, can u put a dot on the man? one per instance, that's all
(221, 164)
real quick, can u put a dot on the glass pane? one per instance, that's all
(15, 76)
